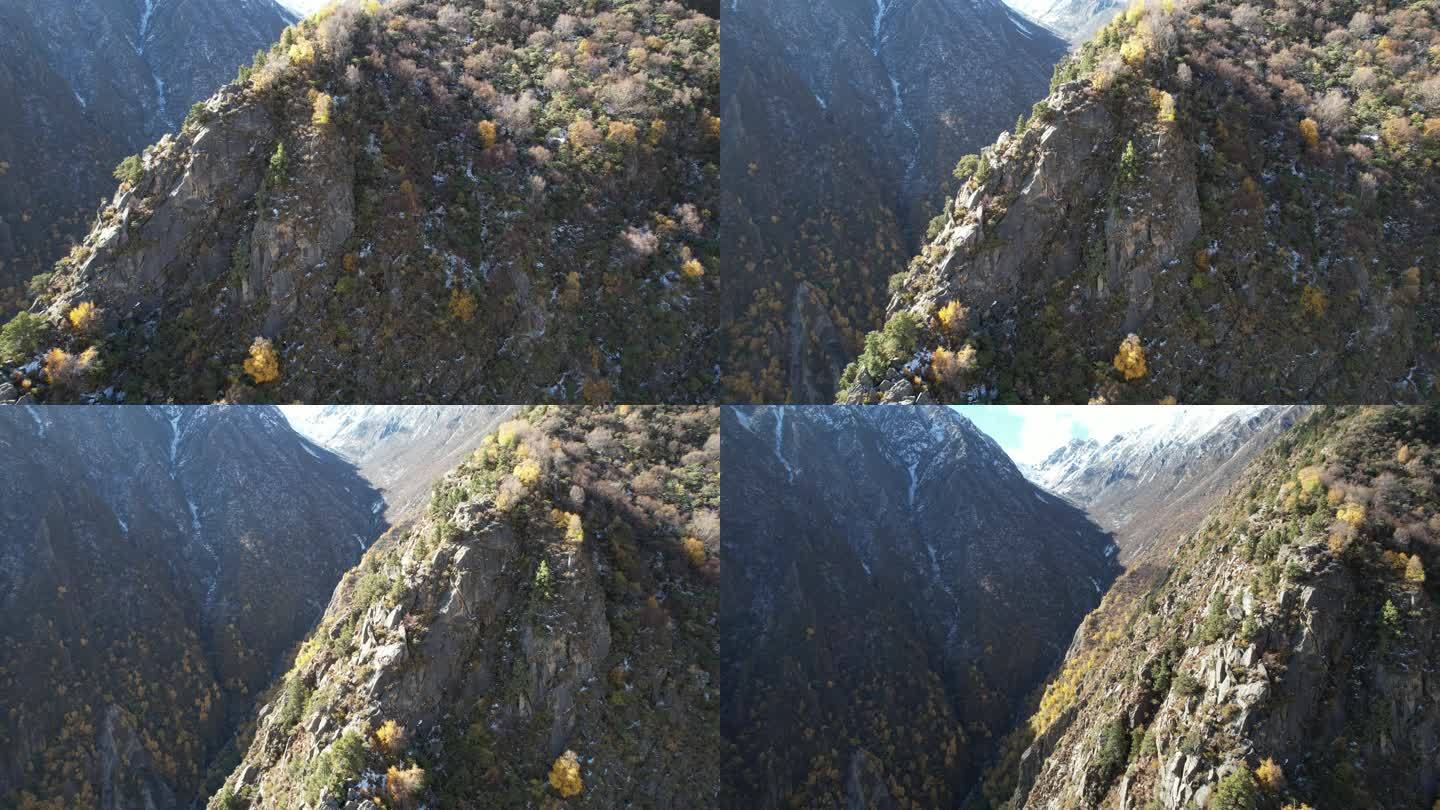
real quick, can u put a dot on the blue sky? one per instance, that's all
(1031, 432)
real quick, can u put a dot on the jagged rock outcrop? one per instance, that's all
(1188, 183)
(1283, 658)
(158, 565)
(558, 594)
(881, 623)
(842, 124)
(90, 82)
(416, 202)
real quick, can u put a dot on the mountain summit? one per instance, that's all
(1217, 202)
(415, 201)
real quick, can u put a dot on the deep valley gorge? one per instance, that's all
(1223, 608)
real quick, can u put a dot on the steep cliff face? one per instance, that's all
(1282, 659)
(158, 565)
(552, 615)
(1227, 183)
(1147, 485)
(400, 449)
(419, 201)
(881, 623)
(843, 121)
(89, 82)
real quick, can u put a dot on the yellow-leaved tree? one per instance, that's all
(565, 775)
(263, 364)
(84, 316)
(1130, 359)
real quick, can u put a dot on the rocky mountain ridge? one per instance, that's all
(1189, 216)
(412, 202)
(1280, 658)
(90, 82)
(545, 630)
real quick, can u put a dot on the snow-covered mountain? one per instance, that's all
(1143, 482)
(400, 449)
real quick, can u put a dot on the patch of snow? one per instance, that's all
(779, 436)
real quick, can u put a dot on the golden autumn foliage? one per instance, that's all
(952, 317)
(390, 738)
(1271, 776)
(486, 131)
(263, 364)
(68, 370)
(462, 306)
(1130, 359)
(950, 366)
(404, 787)
(320, 109)
(84, 316)
(1415, 570)
(622, 133)
(1313, 302)
(1351, 513)
(565, 775)
(694, 551)
(1310, 132)
(1133, 51)
(1165, 108)
(528, 472)
(693, 268)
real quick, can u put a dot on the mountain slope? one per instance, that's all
(559, 594)
(878, 631)
(843, 121)
(1245, 189)
(417, 202)
(1148, 485)
(160, 563)
(1284, 657)
(400, 449)
(89, 82)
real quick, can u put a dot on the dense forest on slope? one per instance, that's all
(1218, 201)
(545, 630)
(414, 201)
(85, 82)
(157, 566)
(843, 120)
(1282, 656)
